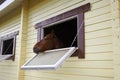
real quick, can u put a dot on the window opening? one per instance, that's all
(65, 31)
(7, 47)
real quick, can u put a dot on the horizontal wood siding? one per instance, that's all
(8, 24)
(116, 37)
(98, 62)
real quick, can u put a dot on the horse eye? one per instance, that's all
(46, 38)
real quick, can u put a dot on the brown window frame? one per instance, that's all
(7, 37)
(79, 12)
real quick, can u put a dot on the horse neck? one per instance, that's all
(56, 42)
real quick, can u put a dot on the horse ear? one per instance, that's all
(53, 33)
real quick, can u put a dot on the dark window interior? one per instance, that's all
(7, 46)
(2, 1)
(65, 31)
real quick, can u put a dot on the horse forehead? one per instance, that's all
(49, 35)
(38, 43)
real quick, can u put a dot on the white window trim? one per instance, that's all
(6, 37)
(14, 38)
(4, 57)
(5, 4)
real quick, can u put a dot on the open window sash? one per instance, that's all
(5, 57)
(51, 59)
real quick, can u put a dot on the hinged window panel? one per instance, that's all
(50, 59)
(4, 57)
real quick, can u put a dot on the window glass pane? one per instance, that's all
(7, 46)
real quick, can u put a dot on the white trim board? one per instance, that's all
(5, 4)
(4, 57)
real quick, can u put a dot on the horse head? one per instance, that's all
(50, 41)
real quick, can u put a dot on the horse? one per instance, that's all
(49, 42)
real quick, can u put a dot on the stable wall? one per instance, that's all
(116, 37)
(98, 62)
(8, 24)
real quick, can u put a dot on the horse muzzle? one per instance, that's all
(35, 50)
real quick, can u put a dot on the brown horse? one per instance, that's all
(50, 41)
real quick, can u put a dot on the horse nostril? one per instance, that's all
(36, 50)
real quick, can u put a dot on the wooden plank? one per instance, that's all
(98, 26)
(99, 48)
(65, 15)
(10, 24)
(98, 19)
(53, 12)
(73, 5)
(83, 72)
(100, 4)
(97, 12)
(14, 14)
(65, 76)
(99, 33)
(101, 56)
(44, 7)
(89, 64)
(99, 41)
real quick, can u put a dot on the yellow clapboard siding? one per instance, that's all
(89, 64)
(98, 26)
(9, 71)
(83, 72)
(116, 56)
(64, 78)
(100, 48)
(52, 9)
(43, 4)
(94, 56)
(9, 68)
(8, 76)
(101, 3)
(73, 5)
(32, 37)
(98, 19)
(43, 7)
(31, 43)
(98, 33)
(34, 33)
(57, 12)
(12, 24)
(9, 64)
(46, 76)
(98, 62)
(99, 11)
(99, 41)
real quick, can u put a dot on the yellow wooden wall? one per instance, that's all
(116, 37)
(98, 62)
(101, 40)
(8, 24)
